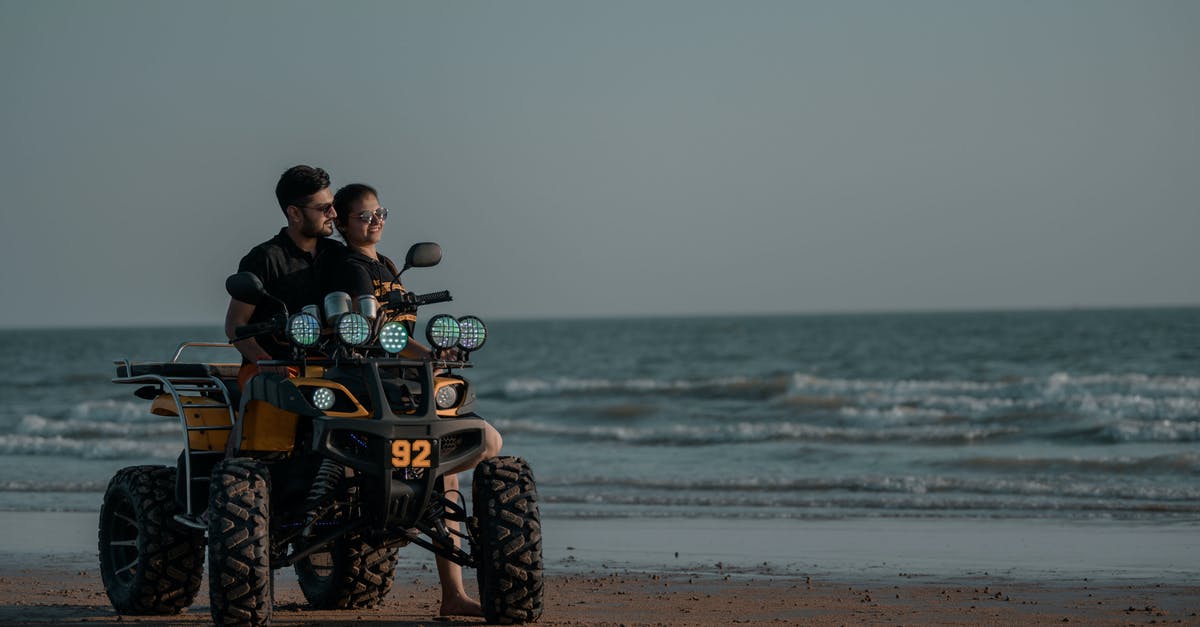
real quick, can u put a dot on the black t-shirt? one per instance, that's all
(357, 274)
(288, 274)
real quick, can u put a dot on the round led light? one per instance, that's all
(393, 337)
(322, 398)
(443, 331)
(446, 396)
(473, 333)
(354, 329)
(304, 329)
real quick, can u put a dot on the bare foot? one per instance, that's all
(461, 605)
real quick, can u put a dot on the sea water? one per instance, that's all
(1060, 415)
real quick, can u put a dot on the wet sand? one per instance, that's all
(48, 575)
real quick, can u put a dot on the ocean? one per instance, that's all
(1060, 415)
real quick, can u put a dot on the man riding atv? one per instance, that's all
(286, 263)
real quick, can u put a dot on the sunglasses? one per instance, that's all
(326, 209)
(369, 217)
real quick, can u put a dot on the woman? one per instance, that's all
(360, 269)
(363, 270)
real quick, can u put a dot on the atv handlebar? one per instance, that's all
(411, 301)
(432, 297)
(248, 331)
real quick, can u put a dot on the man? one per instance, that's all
(285, 263)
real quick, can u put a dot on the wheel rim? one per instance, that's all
(123, 541)
(320, 564)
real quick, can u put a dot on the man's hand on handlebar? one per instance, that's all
(448, 354)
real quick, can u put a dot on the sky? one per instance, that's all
(616, 158)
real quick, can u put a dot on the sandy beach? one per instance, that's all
(692, 572)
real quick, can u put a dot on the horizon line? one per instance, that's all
(660, 316)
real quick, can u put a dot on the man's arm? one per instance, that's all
(237, 315)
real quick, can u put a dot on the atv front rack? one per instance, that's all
(185, 382)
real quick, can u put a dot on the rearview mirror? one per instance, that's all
(423, 255)
(246, 287)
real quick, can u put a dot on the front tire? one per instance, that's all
(239, 543)
(351, 574)
(149, 563)
(509, 535)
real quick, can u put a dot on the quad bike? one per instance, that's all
(329, 472)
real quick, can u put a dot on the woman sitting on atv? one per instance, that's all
(358, 270)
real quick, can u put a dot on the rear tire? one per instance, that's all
(510, 540)
(239, 543)
(149, 563)
(351, 574)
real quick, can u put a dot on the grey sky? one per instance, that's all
(610, 158)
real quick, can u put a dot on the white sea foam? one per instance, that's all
(1124, 405)
(693, 434)
(893, 414)
(944, 486)
(42, 426)
(109, 409)
(1123, 464)
(807, 383)
(1132, 381)
(19, 444)
(53, 486)
(974, 405)
(1152, 431)
(528, 386)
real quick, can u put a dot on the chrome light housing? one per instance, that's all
(353, 329)
(368, 306)
(336, 304)
(447, 396)
(472, 333)
(304, 329)
(323, 398)
(443, 331)
(393, 337)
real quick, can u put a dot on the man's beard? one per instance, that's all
(317, 228)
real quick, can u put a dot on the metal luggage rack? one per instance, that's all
(204, 380)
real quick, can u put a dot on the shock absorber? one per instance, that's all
(321, 495)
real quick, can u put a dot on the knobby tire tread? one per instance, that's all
(170, 561)
(239, 544)
(361, 577)
(510, 572)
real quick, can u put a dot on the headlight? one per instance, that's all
(323, 398)
(472, 333)
(446, 397)
(443, 331)
(393, 337)
(353, 329)
(304, 329)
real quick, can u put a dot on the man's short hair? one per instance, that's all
(298, 183)
(347, 197)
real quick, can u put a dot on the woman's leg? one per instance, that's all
(455, 601)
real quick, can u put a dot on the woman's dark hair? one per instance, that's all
(298, 183)
(347, 197)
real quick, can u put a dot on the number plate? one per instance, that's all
(412, 453)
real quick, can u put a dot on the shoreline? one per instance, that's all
(625, 571)
(860, 549)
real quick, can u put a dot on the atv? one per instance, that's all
(329, 470)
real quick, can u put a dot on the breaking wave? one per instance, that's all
(746, 432)
(108, 448)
